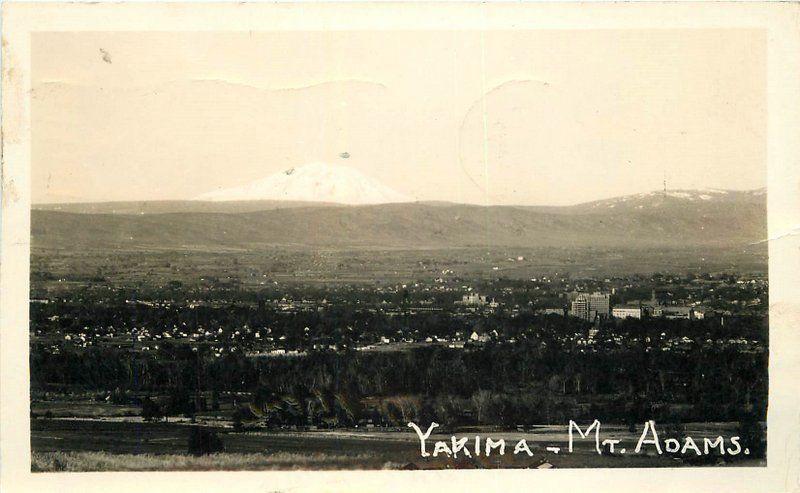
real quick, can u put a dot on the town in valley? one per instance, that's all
(268, 357)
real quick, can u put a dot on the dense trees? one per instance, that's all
(527, 381)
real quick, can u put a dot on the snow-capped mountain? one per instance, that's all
(315, 182)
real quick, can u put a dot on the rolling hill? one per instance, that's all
(675, 219)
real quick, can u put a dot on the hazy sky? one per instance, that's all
(501, 117)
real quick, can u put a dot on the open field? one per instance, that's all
(91, 445)
(102, 461)
(82, 409)
(64, 268)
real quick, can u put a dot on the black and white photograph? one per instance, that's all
(399, 249)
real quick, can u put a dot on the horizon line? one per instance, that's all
(421, 201)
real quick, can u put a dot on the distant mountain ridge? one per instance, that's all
(640, 201)
(658, 198)
(175, 206)
(729, 219)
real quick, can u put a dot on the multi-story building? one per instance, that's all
(550, 311)
(580, 308)
(677, 312)
(590, 306)
(473, 299)
(627, 311)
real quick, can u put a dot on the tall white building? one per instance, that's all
(590, 306)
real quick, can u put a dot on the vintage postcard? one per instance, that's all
(394, 247)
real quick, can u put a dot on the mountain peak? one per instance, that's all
(313, 182)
